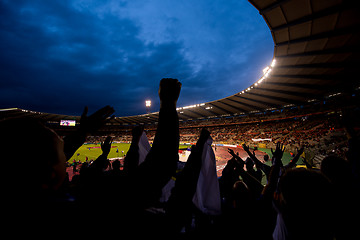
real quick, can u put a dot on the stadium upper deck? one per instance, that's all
(316, 53)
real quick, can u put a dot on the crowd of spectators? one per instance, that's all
(321, 134)
(296, 203)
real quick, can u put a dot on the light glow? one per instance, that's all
(266, 69)
(273, 63)
(266, 72)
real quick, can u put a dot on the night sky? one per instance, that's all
(58, 56)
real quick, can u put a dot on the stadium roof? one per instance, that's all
(316, 53)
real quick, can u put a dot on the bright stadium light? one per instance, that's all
(265, 70)
(148, 105)
(267, 73)
(273, 63)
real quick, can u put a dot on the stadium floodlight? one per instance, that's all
(265, 70)
(273, 63)
(148, 105)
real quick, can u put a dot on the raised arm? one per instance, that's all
(161, 162)
(258, 163)
(293, 162)
(232, 153)
(88, 125)
(278, 154)
(254, 185)
(252, 156)
(270, 188)
(102, 161)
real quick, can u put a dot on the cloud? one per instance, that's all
(58, 56)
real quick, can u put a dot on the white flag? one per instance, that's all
(144, 147)
(207, 195)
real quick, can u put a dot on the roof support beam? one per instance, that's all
(310, 76)
(234, 107)
(272, 6)
(334, 33)
(247, 105)
(298, 85)
(320, 14)
(222, 109)
(291, 93)
(281, 99)
(318, 65)
(339, 50)
(257, 101)
(193, 112)
(211, 112)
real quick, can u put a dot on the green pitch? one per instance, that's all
(93, 151)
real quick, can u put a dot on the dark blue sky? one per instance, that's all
(58, 56)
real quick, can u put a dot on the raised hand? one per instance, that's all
(246, 148)
(90, 124)
(106, 145)
(279, 151)
(293, 162)
(231, 151)
(169, 91)
(239, 162)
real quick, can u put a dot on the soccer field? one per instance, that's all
(93, 151)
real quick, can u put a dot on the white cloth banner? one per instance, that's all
(207, 195)
(261, 139)
(144, 147)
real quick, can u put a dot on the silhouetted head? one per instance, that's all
(337, 169)
(116, 165)
(306, 197)
(32, 156)
(249, 163)
(241, 195)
